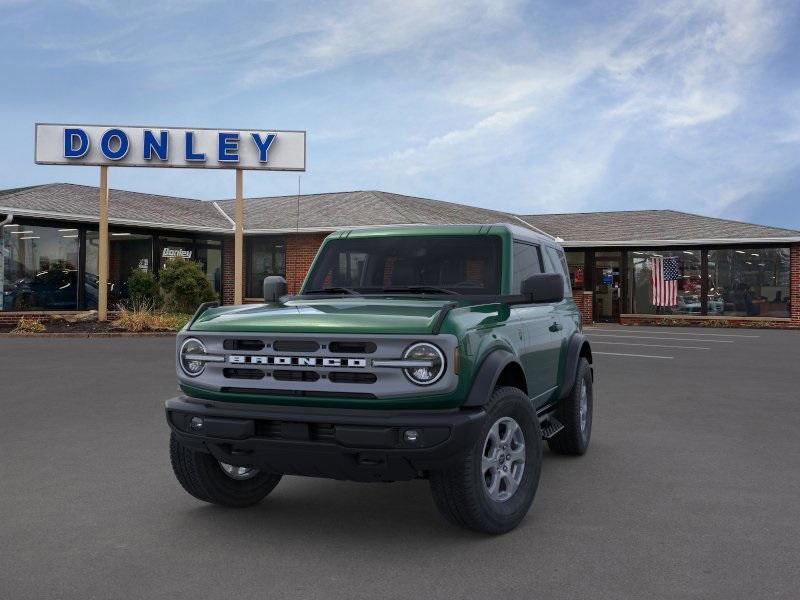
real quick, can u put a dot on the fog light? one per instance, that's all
(196, 424)
(411, 436)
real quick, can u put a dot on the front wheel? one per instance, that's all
(491, 489)
(210, 480)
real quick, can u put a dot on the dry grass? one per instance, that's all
(143, 317)
(26, 325)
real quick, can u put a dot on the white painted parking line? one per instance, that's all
(634, 355)
(633, 331)
(651, 345)
(651, 337)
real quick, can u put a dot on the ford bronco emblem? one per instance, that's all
(297, 361)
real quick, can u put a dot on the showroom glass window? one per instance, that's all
(181, 248)
(128, 251)
(39, 268)
(748, 282)
(576, 262)
(209, 255)
(645, 299)
(265, 256)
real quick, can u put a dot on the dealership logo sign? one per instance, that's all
(176, 253)
(170, 147)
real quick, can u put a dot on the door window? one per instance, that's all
(607, 284)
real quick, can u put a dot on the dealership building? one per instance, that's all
(727, 272)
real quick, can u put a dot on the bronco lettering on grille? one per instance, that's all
(297, 361)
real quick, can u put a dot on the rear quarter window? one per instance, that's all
(557, 263)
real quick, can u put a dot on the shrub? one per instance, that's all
(143, 289)
(143, 317)
(184, 286)
(27, 325)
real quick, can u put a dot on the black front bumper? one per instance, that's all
(356, 445)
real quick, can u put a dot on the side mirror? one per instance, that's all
(544, 287)
(274, 288)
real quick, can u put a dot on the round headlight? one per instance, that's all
(192, 347)
(434, 367)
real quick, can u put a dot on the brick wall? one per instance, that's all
(709, 321)
(584, 302)
(228, 266)
(301, 248)
(794, 283)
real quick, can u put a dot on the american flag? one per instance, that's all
(664, 277)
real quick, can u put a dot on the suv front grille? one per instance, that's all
(354, 347)
(243, 373)
(246, 345)
(352, 377)
(283, 375)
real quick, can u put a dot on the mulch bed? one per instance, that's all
(60, 326)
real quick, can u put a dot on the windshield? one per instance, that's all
(463, 264)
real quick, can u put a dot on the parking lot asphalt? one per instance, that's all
(691, 489)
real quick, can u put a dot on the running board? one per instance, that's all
(550, 426)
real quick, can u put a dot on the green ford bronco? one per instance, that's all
(445, 353)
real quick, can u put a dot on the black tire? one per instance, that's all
(201, 475)
(461, 494)
(574, 438)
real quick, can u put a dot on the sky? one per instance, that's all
(528, 107)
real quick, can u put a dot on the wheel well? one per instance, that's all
(513, 376)
(586, 352)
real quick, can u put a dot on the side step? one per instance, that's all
(550, 426)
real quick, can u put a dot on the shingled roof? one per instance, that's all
(72, 202)
(328, 212)
(644, 226)
(357, 209)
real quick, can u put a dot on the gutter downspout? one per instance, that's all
(7, 220)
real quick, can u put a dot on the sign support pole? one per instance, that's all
(102, 255)
(238, 255)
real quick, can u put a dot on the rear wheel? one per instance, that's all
(575, 413)
(210, 480)
(491, 489)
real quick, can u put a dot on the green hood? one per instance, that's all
(327, 315)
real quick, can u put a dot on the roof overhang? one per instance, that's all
(114, 221)
(686, 242)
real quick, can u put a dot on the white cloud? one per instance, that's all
(475, 144)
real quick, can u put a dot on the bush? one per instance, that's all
(184, 286)
(143, 317)
(143, 289)
(26, 325)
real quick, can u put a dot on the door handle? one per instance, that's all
(556, 327)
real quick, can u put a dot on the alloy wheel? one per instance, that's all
(503, 459)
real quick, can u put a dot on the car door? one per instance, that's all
(565, 312)
(539, 346)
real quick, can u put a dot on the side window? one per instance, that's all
(559, 264)
(527, 262)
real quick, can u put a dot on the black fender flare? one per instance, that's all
(488, 373)
(574, 348)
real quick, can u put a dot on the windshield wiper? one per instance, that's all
(333, 290)
(419, 289)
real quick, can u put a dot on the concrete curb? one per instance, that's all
(88, 334)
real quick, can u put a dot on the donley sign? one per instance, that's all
(188, 148)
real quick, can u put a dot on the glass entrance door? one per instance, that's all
(607, 285)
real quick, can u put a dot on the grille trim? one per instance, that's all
(352, 377)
